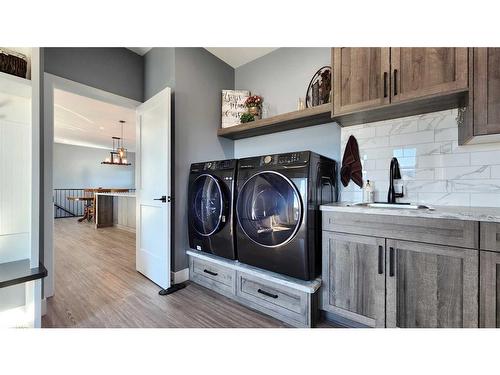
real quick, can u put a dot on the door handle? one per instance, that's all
(163, 199)
(385, 84)
(392, 262)
(210, 272)
(395, 82)
(380, 260)
(267, 293)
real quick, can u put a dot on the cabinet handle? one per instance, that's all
(210, 272)
(380, 260)
(391, 262)
(395, 82)
(385, 84)
(267, 293)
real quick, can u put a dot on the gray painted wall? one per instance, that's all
(116, 70)
(196, 77)
(199, 79)
(159, 70)
(281, 77)
(80, 167)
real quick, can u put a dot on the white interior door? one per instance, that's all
(153, 184)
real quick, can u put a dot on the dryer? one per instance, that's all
(278, 217)
(210, 207)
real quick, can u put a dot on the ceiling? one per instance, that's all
(82, 121)
(238, 56)
(234, 56)
(140, 50)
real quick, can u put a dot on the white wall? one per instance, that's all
(435, 169)
(80, 167)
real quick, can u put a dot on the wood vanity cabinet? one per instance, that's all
(483, 105)
(373, 276)
(373, 84)
(354, 277)
(489, 281)
(431, 286)
(489, 295)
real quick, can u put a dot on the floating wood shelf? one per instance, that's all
(19, 272)
(292, 120)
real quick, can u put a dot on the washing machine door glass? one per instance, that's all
(269, 209)
(206, 205)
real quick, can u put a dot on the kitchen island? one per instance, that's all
(115, 209)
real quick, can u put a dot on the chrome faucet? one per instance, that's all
(394, 174)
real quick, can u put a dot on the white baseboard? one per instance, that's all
(180, 276)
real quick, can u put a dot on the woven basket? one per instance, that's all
(13, 63)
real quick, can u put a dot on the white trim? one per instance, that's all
(34, 289)
(161, 98)
(44, 306)
(180, 276)
(52, 82)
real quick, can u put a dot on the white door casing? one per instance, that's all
(153, 127)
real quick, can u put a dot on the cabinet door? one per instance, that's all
(419, 72)
(361, 78)
(489, 290)
(353, 278)
(431, 286)
(486, 91)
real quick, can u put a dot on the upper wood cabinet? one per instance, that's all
(483, 109)
(373, 84)
(419, 72)
(361, 78)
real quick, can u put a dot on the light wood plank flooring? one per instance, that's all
(96, 285)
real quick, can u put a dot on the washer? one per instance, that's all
(278, 218)
(210, 207)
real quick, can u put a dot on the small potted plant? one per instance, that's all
(254, 105)
(246, 117)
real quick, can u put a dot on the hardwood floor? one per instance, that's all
(96, 285)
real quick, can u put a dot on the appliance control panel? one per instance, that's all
(214, 165)
(291, 158)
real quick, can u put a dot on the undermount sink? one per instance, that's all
(398, 206)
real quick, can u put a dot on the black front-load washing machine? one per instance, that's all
(277, 208)
(210, 207)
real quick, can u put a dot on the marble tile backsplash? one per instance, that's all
(434, 168)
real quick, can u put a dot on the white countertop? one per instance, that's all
(128, 195)
(485, 214)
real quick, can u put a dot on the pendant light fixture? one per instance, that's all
(118, 155)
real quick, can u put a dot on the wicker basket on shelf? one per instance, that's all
(13, 63)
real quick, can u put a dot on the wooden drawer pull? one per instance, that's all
(267, 293)
(210, 272)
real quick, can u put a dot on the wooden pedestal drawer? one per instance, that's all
(284, 303)
(213, 276)
(285, 298)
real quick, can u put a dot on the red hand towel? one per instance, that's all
(351, 164)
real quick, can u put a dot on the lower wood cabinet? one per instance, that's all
(431, 286)
(354, 277)
(489, 298)
(380, 282)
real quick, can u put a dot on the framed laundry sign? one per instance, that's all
(233, 106)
